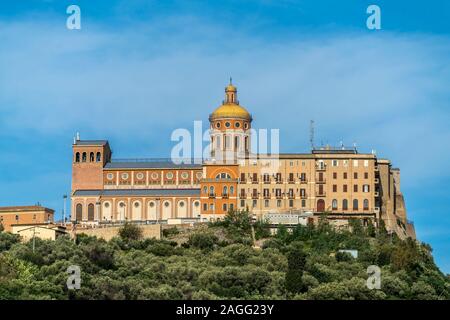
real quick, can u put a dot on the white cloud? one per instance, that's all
(388, 92)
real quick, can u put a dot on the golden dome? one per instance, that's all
(230, 110)
(230, 107)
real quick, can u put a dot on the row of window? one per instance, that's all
(226, 190)
(228, 125)
(216, 141)
(225, 207)
(320, 204)
(82, 157)
(153, 175)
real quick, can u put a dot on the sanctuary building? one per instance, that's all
(338, 182)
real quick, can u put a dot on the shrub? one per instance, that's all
(130, 232)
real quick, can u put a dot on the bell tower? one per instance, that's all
(230, 126)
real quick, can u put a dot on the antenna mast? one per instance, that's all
(311, 134)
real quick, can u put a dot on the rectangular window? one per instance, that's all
(291, 203)
(366, 175)
(345, 175)
(211, 207)
(291, 163)
(242, 203)
(266, 203)
(345, 163)
(302, 192)
(334, 175)
(355, 188)
(355, 175)
(334, 188)
(231, 206)
(242, 177)
(255, 177)
(355, 163)
(278, 203)
(366, 188)
(303, 203)
(291, 177)
(255, 203)
(345, 188)
(303, 176)
(366, 163)
(334, 163)
(224, 207)
(205, 207)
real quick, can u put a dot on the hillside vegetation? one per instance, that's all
(220, 261)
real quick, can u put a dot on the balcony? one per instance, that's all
(303, 181)
(212, 195)
(279, 181)
(323, 180)
(243, 196)
(225, 195)
(267, 196)
(242, 181)
(291, 181)
(321, 194)
(266, 181)
(322, 167)
(303, 196)
(291, 196)
(255, 181)
(254, 196)
(279, 196)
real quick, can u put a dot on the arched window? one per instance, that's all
(236, 143)
(77, 157)
(99, 156)
(223, 175)
(227, 142)
(366, 204)
(205, 189)
(84, 157)
(91, 157)
(211, 190)
(90, 212)
(320, 205)
(225, 190)
(355, 204)
(231, 190)
(218, 142)
(334, 204)
(345, 204)
(79, 212)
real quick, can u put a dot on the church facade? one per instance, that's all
(341, 183)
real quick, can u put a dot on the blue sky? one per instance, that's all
(137, 70)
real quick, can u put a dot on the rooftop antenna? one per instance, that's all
(311, 134)
(342, 145)
(78, 136)
(354, 145)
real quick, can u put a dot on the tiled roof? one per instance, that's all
(91, 142)
(149, 165)
(24, 208)
(139, 192)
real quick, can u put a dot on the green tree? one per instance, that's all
(130, 232)
(296, 264)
